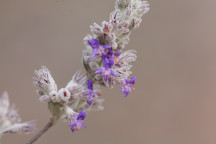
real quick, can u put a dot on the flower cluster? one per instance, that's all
(70, 102)
(105, 62)
(103, 58)
(10, 121)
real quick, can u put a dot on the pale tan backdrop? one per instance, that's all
(175, 97)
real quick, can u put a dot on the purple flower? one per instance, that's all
(91, 94)
(109, 54)
(97, 48)
(78, 122)
(128, 86)
(106, 70)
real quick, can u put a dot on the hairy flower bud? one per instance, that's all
(64, 94)
(45, 98)
(54, 96)
(44, 81)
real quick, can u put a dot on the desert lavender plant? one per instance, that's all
(105, 62)
(10, 121)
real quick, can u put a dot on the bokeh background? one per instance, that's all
(175, 97)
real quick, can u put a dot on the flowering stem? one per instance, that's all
(41, 132)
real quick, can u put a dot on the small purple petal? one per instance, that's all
(117, 53)
(76, 125)
(125, 91)
(81, 115)
(94, 43)
(89, 94)
(104, 55)
(90, 84)
(127, 81)
(108, 63)
(99, 71)
(111, 63)
(94, 53)
(72, 124)
(90, 98)
(73, 130)
(107, 47)
(89, 102)
(109, 53)
(105, 62)
(113, 73)
(126, 94)
(132, 81)
(105, 78)
(83, 125)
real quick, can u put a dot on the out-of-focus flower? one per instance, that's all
(128, 86)
(10, 121)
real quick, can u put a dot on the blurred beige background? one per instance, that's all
(175, 97)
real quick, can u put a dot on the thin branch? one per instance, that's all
(41, 132)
